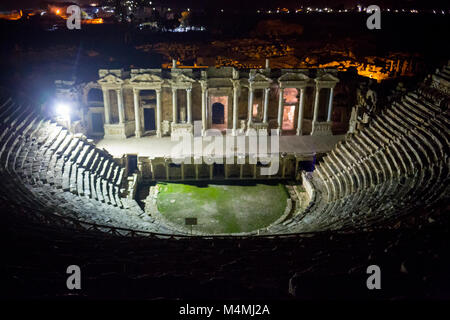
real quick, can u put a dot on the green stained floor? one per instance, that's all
(222, 208)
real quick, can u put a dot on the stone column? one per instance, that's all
(301, 112)
(120, 105)
(235, 107)
(174, 105)
(153, 170)
(316, 104)
(189, 105)
(330, 105)
(250, 105)
(166, 166)
(204, 92)
(280, 109)
(137, 115)
(158, 113)
(266, 104)
(106, 106)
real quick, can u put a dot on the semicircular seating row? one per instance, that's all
(383, 171)
(52, 172)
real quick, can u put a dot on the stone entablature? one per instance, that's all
(181, 129)
(177, 97)
(260, 128)
(321, 129)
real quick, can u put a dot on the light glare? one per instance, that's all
(63, 109)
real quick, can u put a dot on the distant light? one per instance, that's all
(58, 11)
(63, 109)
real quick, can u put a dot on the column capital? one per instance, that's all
(136, 91)
(188, 89)
(158, 90)
(204, 84)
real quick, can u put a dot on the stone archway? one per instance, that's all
(94, 95)
(91, 97)
(219, 112)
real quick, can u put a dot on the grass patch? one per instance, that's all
(222, 208)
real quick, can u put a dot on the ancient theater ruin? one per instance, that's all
(106, 163)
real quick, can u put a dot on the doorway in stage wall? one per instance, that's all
(219, 113)
(97, 122)
(149, 119)
(290, 97)
(219, 171)
(288, 118)
(132, 163)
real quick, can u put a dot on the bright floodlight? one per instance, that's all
(63, 109)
